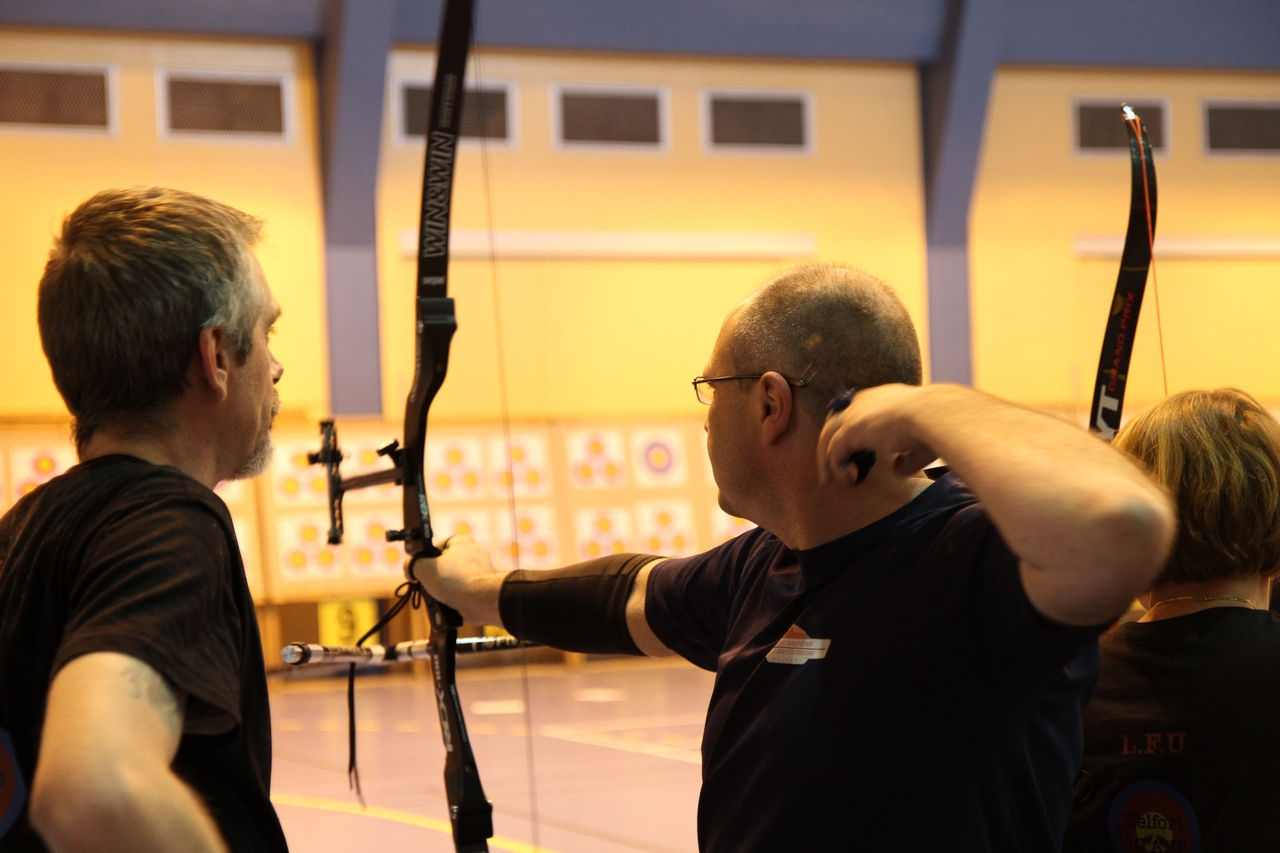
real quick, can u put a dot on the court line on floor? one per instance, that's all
(603, 733)
(410, 818)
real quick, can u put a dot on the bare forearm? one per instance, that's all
(154, 814)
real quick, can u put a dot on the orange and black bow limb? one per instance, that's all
(1135, 262)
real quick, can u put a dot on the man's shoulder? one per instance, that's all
(125, 479)
(110, 490)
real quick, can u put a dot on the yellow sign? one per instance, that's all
(345, 620)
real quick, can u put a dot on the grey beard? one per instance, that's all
(260, 459)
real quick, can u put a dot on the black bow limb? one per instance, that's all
(470, 812)
(1135, 262)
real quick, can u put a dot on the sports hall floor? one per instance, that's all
(614, 743)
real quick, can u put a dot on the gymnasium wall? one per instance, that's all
(1041, 287)
(47, 172)
(592, 336)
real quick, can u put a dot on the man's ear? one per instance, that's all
(777, 405)
(210, 362)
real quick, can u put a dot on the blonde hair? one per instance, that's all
(1218, 454)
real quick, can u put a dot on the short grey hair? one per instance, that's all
(132, 279)
(835, 327)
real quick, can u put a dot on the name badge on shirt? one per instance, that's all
(796, 647)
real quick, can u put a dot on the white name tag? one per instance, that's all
(797, 650)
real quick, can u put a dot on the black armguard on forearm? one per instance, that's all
(580, 608)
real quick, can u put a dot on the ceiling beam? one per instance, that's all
(353, 66)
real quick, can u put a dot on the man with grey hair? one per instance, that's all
(901, 664)
(133, 702)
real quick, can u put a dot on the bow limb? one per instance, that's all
(1135, 262)
(470, 813)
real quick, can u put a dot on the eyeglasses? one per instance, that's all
(703, 387)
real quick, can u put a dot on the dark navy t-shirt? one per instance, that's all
(892, 689)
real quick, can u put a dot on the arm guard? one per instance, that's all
(580, 608)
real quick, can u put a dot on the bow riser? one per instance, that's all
(436, 324)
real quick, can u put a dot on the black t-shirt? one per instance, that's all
(118, 555)
(1182, 738)
(890, 690)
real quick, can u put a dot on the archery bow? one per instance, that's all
(470, 813)
(1135, 262)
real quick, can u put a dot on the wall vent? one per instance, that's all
(219, 105)
(54, 98)
(610, 118)
(755, 121)
(484, 112)
(1100, 126)
(1242, 127)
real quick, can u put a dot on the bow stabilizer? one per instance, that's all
(1135, 263)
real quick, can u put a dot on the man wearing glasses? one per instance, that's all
(900, 663)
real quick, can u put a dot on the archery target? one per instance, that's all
(658, 457)
(529, 475)
(455, 468)
(368, 553)
(33, 466)
(463, 521)
(294, 481)
(597, 458)
(302, 550)
(666, 528)
(600, 531)
(533, 544)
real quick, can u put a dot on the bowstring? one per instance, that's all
(1151, 243)
(505, 417)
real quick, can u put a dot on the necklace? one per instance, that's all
(1204, 598)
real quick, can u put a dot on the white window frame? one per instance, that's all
(807, 98)
(111, 131)
(395, 106)
(556, 90)
(1206, 103)
(1095, 100)
(288, 104)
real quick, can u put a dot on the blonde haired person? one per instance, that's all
(1182, 737)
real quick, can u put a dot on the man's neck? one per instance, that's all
(156, 450)
(837, 510)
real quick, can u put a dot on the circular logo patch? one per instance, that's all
(1152, 817)
(13, 793)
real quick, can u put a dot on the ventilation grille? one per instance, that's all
(53, 98)
(1243, 128)
(1100, 125)
(484, 112)
(239, 107)
(756, 121)
(611, 119)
